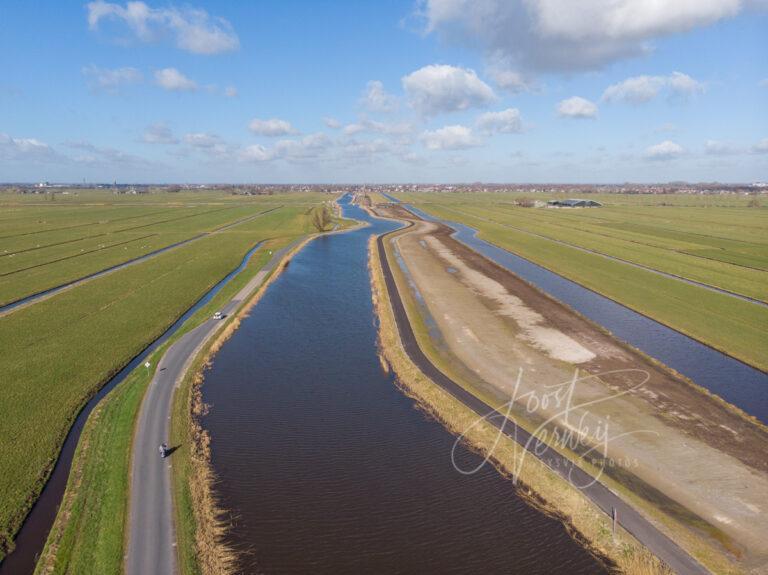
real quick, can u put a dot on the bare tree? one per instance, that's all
(321, 218)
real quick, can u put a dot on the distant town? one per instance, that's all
(714, 188)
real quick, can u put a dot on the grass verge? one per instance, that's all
(89, 532)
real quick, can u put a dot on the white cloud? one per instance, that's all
(640, 89)
(441, 88)
(93, 155)
(230, 92)
(716, 148)
(272, 127)
(256, 153)
(110, 80)
(666, 150)
(637, 89)
(24, 149)
(365, 125)
(332, 123)
(508, 79)
(159, 134)
(193, 29)
(208, 144)
(310, 147)
(173, 80)
(376, 99)
(449, 138)
(577, 107)
(365, 149)
(761, 147)
(202, 140)
(506, 122)
(683, 84)
(563, 35)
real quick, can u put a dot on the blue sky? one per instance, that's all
(400, 91)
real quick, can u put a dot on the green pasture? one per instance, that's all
(722, 247)
(56, 353)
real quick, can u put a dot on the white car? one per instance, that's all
(218, 315)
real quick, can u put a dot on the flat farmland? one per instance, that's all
(723, 247)
(41, 251)
(56, 353)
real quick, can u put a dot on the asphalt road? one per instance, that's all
(151, 533)
(642, 529)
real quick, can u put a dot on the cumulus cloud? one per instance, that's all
(761, 147)
(455, 137)
(576, 107)
(159, 134)
(666, 150)
(201, 140)
(563, 35)
(365, 125)
(716, 148)
(505, 122)
(230, 92)
(442, 88)
(174, 81)
(193, 29)
(376, 99)
(332, 123)
(272, 127)
(310, 147)
(93, 155)
(256, 153)
(365, 149)
(24, 149)
(641, 89)
(110, 80)
(208, 144)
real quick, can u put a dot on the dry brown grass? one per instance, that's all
(536, 483)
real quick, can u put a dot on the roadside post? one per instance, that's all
(615, 515)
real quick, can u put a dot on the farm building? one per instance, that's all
(573, 204)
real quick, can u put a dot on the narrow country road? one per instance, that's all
(151, 534)
(630, 519)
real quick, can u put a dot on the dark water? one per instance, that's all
(329, 468)
(734, 381)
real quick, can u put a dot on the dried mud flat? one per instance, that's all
(696, 457)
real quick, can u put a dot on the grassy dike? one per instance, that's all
(89, 533)
(732, 326)
(704, 542)
(539, 485)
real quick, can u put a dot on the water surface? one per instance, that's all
(329, 468)
(731, 379)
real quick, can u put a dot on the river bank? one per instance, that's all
(200, 519)
(425, 277)
(542, 488)
(325, 464)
